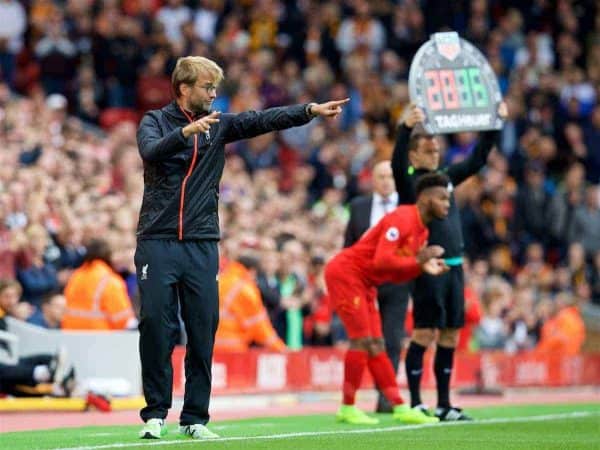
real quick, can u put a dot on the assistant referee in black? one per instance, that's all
(438, 302)
(182, 147)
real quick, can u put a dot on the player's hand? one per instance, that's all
(201, 125)
(503, 110)
(435, 266)
(415, 115)
(426, 253)
(328, 109)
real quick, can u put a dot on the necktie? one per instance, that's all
(386, 203)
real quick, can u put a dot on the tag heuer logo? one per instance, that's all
(448, 44)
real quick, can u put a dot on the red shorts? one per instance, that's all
(354, 301)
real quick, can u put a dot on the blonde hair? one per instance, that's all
(189, 68)
(10, 283)
(36, 230)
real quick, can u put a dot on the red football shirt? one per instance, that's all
(387, 252)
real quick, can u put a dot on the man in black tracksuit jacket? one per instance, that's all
(182, 147)
(438, 302)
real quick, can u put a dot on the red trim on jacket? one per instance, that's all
(187, 175)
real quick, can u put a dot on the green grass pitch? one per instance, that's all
(564, 427)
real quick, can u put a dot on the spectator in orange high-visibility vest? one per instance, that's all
(96, 295)
(243, 319)
(564, 332)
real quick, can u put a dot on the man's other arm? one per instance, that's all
(152, 145)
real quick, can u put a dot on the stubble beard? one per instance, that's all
(201, 107)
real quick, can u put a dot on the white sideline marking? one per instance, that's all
(212, 428)
(249, 425)
(572, 415)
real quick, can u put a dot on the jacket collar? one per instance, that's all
(173, 110)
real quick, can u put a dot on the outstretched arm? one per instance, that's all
(253, 123)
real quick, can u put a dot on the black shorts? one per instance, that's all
(439, 301)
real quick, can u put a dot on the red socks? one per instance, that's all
(354, 367)
(381, 369)
(383, 373)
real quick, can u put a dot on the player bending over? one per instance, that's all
(392, 251)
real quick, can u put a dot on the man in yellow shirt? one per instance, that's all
(243, 319)
(563, 333)
(96, 295)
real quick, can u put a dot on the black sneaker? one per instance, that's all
(451, 414)
(63, 375)
(424, 409)
(59, 365)
(383, 406)
(68, 382)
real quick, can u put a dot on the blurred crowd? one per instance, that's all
(531, 219)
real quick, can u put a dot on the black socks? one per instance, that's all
(414, 371)
(442, 367)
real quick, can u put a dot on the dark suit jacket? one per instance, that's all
(360, 216)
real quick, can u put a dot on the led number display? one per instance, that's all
(453, 82)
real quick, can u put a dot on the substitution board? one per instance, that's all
(453, 83)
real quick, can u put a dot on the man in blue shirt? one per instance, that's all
(50, 312)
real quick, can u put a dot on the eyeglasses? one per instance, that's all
(209, 87)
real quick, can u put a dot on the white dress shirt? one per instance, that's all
(379, 208)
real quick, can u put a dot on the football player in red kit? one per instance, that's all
(395, 250)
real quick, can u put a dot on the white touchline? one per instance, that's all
(572, 415)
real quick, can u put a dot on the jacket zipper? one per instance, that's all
(184, 182)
